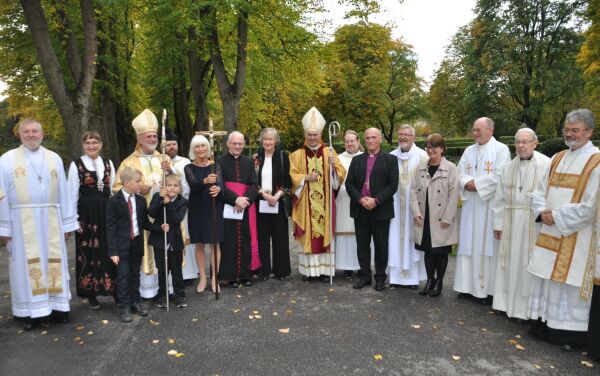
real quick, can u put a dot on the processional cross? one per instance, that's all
(211, 133)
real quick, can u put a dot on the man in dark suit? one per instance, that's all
(126, 215)
(371, 183)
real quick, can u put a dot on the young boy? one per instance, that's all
(168, 198)
(126, 215)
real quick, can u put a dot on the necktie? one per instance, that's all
(130, 206)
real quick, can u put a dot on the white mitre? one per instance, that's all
(145, 122)
(313, 121)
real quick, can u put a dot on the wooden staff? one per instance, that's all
(164, 184)
(211, 133)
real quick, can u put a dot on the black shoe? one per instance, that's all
(246, 283)
(59, 317)
(412, 287)
(280, 278)
(380, 285)
(324, 278)
(361, 283)
(428, 287)
(180, 302)
(264, 277)
(570, 348)
(307, 278)
(125, 314)
(94, 303)
(27, 324)
(464, 295)
(437, 289)
(162, 302)
(486, 301)
(138, 309)
(347, 273)
(233, 284)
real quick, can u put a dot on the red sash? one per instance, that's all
(240, 189)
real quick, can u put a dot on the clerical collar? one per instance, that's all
(233, 156)
(314, 148)
(527, 159)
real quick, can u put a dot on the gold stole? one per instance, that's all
(41, 281)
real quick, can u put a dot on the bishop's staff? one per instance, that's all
(334, 129)
(211, 133)
(164, 138)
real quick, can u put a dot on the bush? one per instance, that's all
(552, 146)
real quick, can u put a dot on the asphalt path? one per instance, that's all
(285, 328)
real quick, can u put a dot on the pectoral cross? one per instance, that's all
(488, 167)
(211, 133)
(469, 168)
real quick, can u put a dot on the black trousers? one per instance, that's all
(594, 325)
(128, 273)
(366, 228)
(274, 228)
(174, 261)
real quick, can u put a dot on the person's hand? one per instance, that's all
(163, 192)
(80, 229)
(242, 202)
(166, 199)
(145, 190)
(332, 160)
(312, 176)
(547, 217)
(444, 225)
(210, 179)
(368, 203)
(418, 221)
(470, 186)
(214, 191)
(115, 259)
(272, 200)
(166, 166)
(165, 227)
(497, 234)
(67, 235)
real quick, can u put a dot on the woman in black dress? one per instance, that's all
(274, 183)
(434, 201)
(90, 182)
(205, 181)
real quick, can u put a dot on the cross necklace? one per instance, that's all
(39, 174)
(521, 177)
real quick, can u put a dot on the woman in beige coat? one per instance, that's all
(433, 201)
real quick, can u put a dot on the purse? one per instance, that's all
(286, 199)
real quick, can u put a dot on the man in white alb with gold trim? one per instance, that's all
(346, 256)
(479, 170)
(150, 162)
(406, 264)
(514, 225)
(562, 259)
(36, 217)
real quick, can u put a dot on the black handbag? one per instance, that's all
(286, 199)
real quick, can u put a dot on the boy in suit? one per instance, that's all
(126, 215)
(168, 198)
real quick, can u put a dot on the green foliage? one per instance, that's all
(552, 146)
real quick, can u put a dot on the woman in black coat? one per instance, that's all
(273, 172)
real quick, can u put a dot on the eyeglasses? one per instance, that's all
(429, 147)
(572, 130)
(523, 142)
(237, 144)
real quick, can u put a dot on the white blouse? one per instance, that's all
(267, 175)
(73, 178)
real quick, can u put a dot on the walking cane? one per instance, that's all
(211, 133)
(164, 125)
(334, 129)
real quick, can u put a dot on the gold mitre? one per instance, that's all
(145, 122)
(313, 121)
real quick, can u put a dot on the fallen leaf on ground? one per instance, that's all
(293, 302)
(172, 352)
(274, 313)
(288, 311)
(552, 367)
(79, 327)
(171, 341)
(194, 320)
(238, 296)
(251, 317)
(179, 355)
(587, 364)
(377, 357)
(257, 316)
(19, 331)
(512, 341)
(104, 322)
(461, 323)
(491, 312)
(77, 339)
(518, 336)
(90, 333)
(44, 332)
(483, 329)
(519, 347)
(80, 343)
(255, 312)
(331, 290)
(416, 326)
(537, 366)
(325, 301)
(284, 330)
(55, 339)
(378, 300)
(455, 358)
(155, 341)
(236, 310)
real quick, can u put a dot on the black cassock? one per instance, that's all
(235, 248)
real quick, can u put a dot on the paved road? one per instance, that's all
(332, 331)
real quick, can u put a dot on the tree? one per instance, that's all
(446, 100)
(589, 54)
(69, 79)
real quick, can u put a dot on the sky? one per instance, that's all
(427, 25)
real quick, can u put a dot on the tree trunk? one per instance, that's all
(183, 122)
(73, 104)
(201, 76)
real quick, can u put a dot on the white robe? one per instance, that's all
(190, 268)
(406, 264)
(560, 304)
(24, 303)
(476, 259)
(513, 215)
(346, 257)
